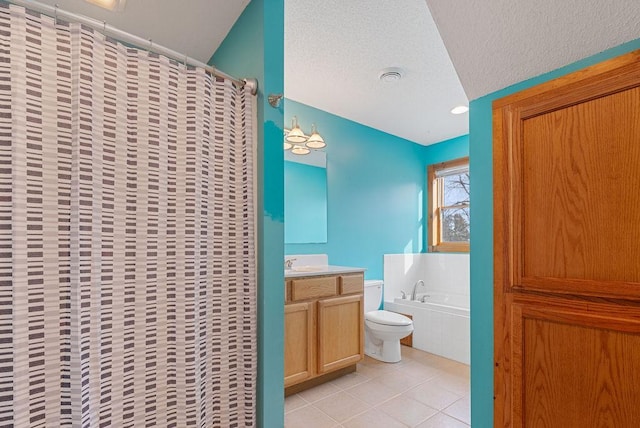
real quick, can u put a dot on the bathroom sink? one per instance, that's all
(308, 268)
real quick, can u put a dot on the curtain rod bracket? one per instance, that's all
(252, 83)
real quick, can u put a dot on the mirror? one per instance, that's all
(305, 198)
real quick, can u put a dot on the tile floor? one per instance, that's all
(423, 390)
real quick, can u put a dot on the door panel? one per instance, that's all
(300, 342)
(340, 332)
(566, 250)
(577, 367)
(580, 178)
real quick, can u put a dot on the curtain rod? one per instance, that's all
(123, 36)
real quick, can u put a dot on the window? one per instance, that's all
(449, 227)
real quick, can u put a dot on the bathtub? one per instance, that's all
(441, 323)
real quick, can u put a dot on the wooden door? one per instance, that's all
(299, 342)
(340, 332)
(567, 250)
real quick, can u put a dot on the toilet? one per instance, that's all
(382, 329)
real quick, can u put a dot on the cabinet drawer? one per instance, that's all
(313, 288)
(351, 284)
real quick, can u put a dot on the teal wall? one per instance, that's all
(375, 187)
(255, 48)
(480, 126)
(305, 203)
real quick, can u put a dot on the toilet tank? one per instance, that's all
(372, 294)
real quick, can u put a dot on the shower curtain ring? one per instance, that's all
(55, 15)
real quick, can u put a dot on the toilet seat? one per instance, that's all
(387, 318)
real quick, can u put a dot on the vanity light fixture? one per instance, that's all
(315, 141)
(295, 135)
(299, 143)
(300, 150)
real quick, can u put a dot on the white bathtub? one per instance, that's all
(441, 323)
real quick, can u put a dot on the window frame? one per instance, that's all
(435, 201)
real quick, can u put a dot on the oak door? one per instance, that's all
(567, 250)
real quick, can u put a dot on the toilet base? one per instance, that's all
(387, 351)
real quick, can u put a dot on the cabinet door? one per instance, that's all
(566, 233)
(340, 332)
(299, 342)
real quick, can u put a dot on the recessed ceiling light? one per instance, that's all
(459, 109)
(390, 75)
(115, 5)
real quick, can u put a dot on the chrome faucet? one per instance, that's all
(403, 294)
(288, 263)
(415, 286)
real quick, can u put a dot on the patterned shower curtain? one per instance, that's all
(127, 265)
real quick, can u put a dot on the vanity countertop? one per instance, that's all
(300, 271)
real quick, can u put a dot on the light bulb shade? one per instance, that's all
(287, 146)
(295, 136)
(315, 141)
(300, 150)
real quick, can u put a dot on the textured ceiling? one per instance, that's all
(494, 44)
(335, 49)
(193, 27)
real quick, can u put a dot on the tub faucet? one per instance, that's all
(415, 287)
(288, 264)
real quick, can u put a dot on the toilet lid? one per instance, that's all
(387, 318)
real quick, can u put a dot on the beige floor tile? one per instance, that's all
(319, 392)
(341, 406)
(407, 410)
(308, 417)
(352, 379)
(457, 384)
(458, 369)
(435, 384)
(398, 381)
(409, 352)
(433, 360)
(420, 371)
(369, 372)
(433, 395)
(379, 366)
(461, 410)
(373, 419)
(372, 392)
(442, 421)
(293, 402)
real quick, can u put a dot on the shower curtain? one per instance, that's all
(127, 265)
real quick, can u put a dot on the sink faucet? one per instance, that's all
(415, 287)
(288, 263)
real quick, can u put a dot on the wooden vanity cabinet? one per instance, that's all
(324, 329)
(300, 342)
(340, 332)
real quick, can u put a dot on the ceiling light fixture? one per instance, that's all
(299, 143)
(459, 109)
(115, 5)
(390, 75)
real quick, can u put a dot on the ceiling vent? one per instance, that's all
(390, 75)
